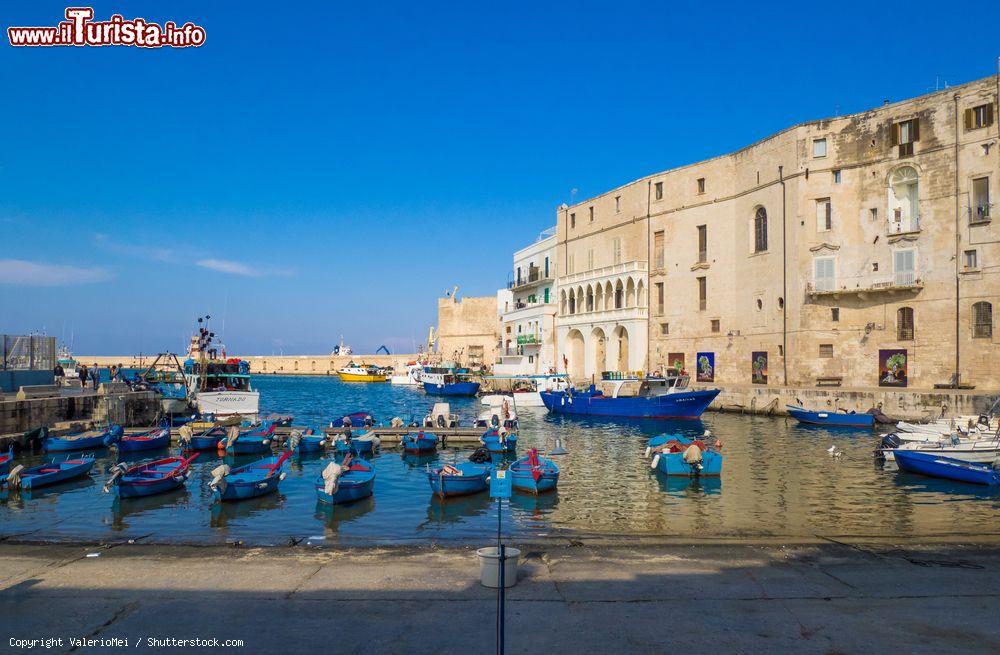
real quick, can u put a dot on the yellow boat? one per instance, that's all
(362, 373)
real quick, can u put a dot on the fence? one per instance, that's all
(28, 353)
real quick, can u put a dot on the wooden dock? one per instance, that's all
(389, 436)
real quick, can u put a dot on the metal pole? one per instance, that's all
(501, 557)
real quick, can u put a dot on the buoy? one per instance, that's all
(656, 460)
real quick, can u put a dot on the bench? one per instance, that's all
(38, 391)
(833, 381)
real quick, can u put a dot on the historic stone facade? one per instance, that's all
(528, 309)
(467, 330)
(855, 251)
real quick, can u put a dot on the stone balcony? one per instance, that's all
(908, 282)
(606, 315)
(605, 273)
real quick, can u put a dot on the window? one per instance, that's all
(904, 267)
(977, 117)
(590, 259)
(873, 213)
(835, 314)
(701, 185)
(971, 259)
(658, 250)
(824, 215)
(904, 200)
(590, 299)
(619, 296)
(715, 325)
(904, 324)
(591, 213)
(659, 299)
(702, 293)
(760, 304)
(664, 328)
(836, 176)
(981, 199)
(546, 267)
(824, 274)
(819, 147)
(572, 220)
(618, 204)
(760, 230)
(616, 249)
(702, 243)
(570, 268)
(982, 320)
(904, 134)
(658, 190)
(826, 350)
(572, 302)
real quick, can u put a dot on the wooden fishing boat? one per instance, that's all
(360, 373)
(459, 479)
(54, 472)
(448, 382)
(248, 442)
(948, 468)
(499, 413)
(149, 478)
(497, 443)
(85, 440)
(356, 419)
(366, 444)
(249, 481)
(5, 461)
(419, 442)
(655, 398)
(831, 419)
(673, 455)
(534, 474)
(149, 440)
(308, 441)
(206, 440)
(982, 451)
(345, 483)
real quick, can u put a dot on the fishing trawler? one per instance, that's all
(218, 384)
(361, 373)
(648, 397)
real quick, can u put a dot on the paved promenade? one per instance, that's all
(649, 598)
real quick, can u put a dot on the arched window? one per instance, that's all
(619, 295)
(760, 230)
(590, 299)
(982, 320)
(572, 302)
(904, 200)
(904, 324)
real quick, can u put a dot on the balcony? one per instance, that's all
(901, 282)
(604, 272)
(534, 276)
(527, 310)
(605, 316)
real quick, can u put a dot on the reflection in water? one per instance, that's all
(441, 511)
(125, 508)
(334, 517)
(239, 511)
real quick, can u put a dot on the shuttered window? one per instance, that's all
(826, 350)
(904, 324)
(982, 320)
(824, 215)
(824, 273)
(760, 230)
(978, 117)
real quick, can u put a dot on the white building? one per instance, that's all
(527, 310)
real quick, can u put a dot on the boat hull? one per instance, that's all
(679, 405)
(226, 403)
(355, 484)
(475, 479)
(948, 468)
(518, 399)
(452, 389)
(419, 442)
(674, 464)
(248, 490)
(966, 454)
(54, 473)
(204, 443)
(147, 441)
(493, 443)
(129, 490)
(832, 419)
(75, 442)
(360, 377)
(249, 446)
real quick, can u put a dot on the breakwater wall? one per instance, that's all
(123, 407)
(275, 364)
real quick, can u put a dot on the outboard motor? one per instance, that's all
(890, 441)
(441, 421)
(480, 455)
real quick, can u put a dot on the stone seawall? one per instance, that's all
(127, 408)
(275, 364)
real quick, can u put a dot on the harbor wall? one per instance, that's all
(276, 364)
(122, 407)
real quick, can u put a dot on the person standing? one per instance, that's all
(95, 375)
(59, 374)
(81, 374)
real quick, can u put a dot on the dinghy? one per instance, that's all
(54, 472)
(351, 480)
(534, 474)
(249, 481)
(5, 461)
(149, 440)
(256, 440)
(968, 450)
(149, 478)
(308, 441)
(830, 419)
(441, 417)
(206, 440)
(85, 440)
(366, 444)
(419, 442)
(676, 455)
(459, 479)
(498, 414)
(499, 441)
(949, 468)
(354, 419)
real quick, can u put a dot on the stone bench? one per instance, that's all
(38, 391)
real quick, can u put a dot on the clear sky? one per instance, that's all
(319, 169)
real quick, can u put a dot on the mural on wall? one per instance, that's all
(758, 367)
(892, 367)
(675, 362)
(706, 367)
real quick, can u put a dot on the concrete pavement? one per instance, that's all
(740, 598)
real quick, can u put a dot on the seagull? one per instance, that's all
(833, 451)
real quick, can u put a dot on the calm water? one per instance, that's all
(778, 480)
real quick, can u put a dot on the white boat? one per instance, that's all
(218, 385)
(441, 417)
(525, 389)
(409, 377)
(983, 451)
(500, 412)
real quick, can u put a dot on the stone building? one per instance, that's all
(855, 251)
(467, 330)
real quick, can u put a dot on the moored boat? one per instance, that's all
(5, 461)
(54, 472)
(85, 440)
(968, 450)
(205, 440)
(460, 479)
(499, 441)
(499, 413)
(308, 441)
(656, 398)
(949, 468)
(419, 442)
(357, 419)
(249, 481)
(442, 381)
(361, 373)
(254, 440)
(346, 482)
(521, 390)
(148, 440)
(677, 455)
(441, 416)
(409, 377)
(831, 419)
(149, 478)
(534, 474)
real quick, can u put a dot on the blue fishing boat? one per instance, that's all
(534, 474)
(308, 441)
(206, 440)
(85, 440)
(149, 440)
(366, 444)
(831, 419)
(496, 443)
(149, 478)
(345, 483)
(448, 382)
(656, 398)
(248, 442)
(672, 455)
(459, 479)
(357, 419)
(949, 468)
(54, 472)
(249, 481)
(419, 442)
(5, 461)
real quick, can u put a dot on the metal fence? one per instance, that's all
(28, 353)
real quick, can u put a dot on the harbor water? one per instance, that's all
(778, 481)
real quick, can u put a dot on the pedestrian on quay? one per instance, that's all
(81, 374)
(95, 375)
(59, 374)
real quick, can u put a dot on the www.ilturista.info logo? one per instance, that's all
(80, 29)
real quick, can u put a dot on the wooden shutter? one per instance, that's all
(894, 134)
(989, 114)
(915, 122)
(969, 116)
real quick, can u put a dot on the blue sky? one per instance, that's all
(326, 169)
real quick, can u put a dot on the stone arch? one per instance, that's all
(590, 298)
(620, 335)
(640, 294)
(609, 295)
(563, 300)
(574, 353)
(599, 351)
(619, 294)
(599, 297)
(630, 293)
